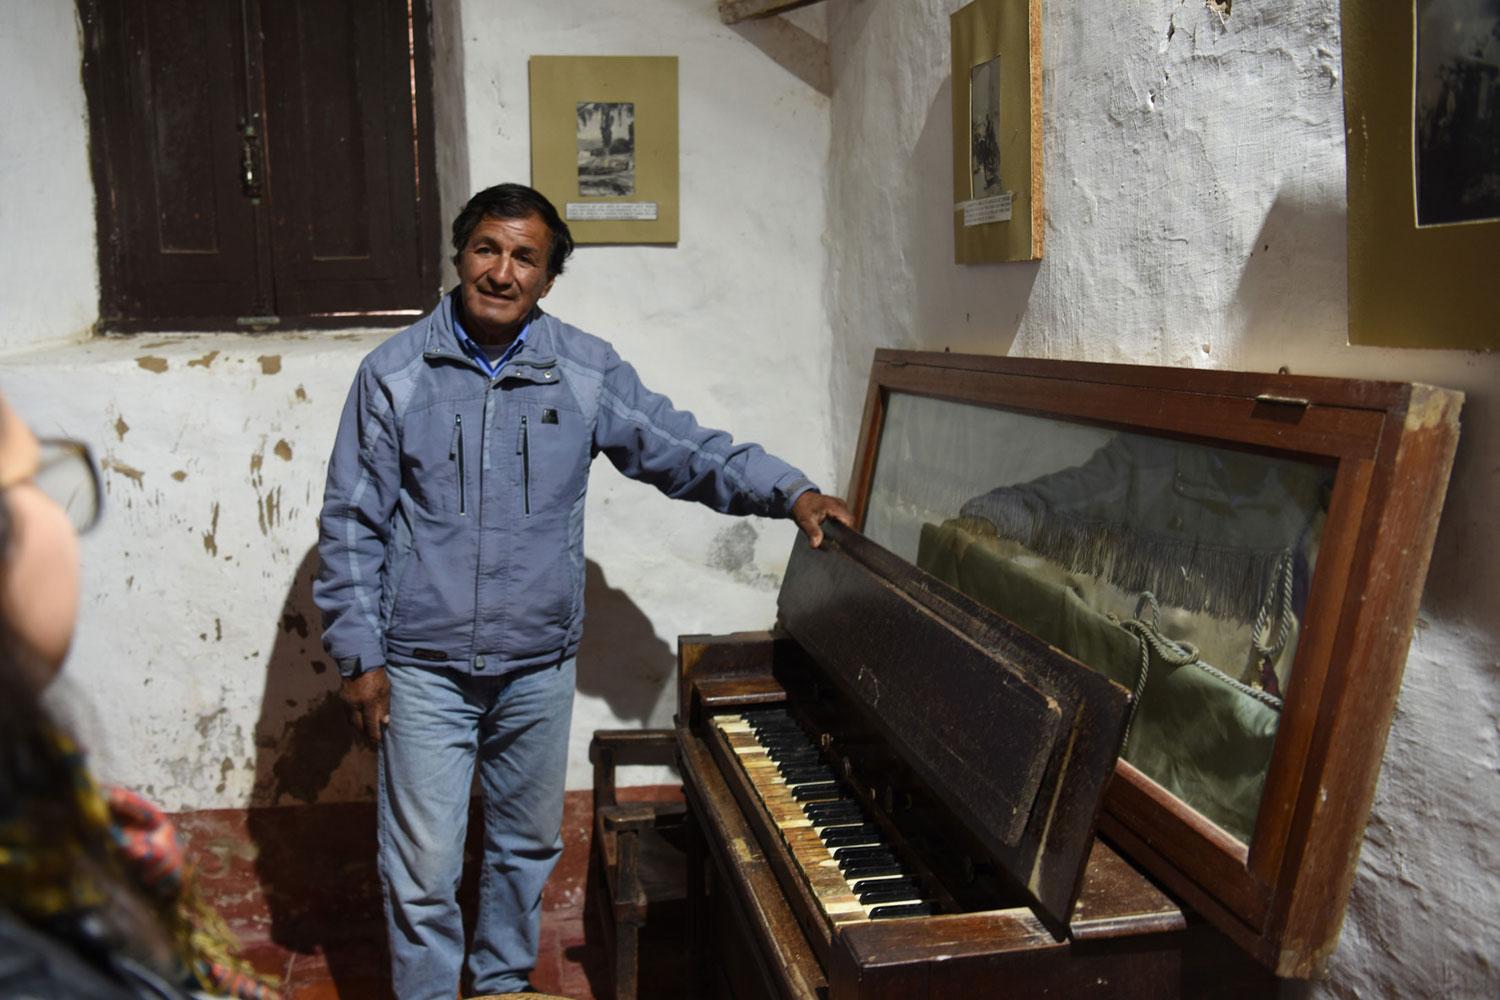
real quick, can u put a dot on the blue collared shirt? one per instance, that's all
(478, 353)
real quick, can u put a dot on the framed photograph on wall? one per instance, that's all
(604, 144)
(997, 131)
(1422, 125)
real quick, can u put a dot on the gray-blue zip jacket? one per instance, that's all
(452, 525)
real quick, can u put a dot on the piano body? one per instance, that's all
(1093, 706)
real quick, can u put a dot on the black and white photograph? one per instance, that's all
(1457, 111)
(984, 127)
(606, 149)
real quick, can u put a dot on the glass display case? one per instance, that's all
(1244, 552)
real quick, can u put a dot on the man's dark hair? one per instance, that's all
(514, 201)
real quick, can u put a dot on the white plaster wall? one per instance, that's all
(1194, 177)
(193, 675)
(49, 284)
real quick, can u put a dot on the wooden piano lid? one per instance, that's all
(1015, 738)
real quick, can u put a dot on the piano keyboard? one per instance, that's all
(851, 870)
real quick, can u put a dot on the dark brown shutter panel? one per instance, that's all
(343, 146)
(167, 93)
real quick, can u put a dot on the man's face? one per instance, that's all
(502, 271)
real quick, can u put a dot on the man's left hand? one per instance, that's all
(813, 508)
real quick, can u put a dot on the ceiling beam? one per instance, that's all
(735, 11)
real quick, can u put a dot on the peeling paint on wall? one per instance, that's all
(206, 722)
(152, 363)
(129, 472)
(733, 551)
(283, 450)
(270, 364)
(210, 537)
(204, 361)
(180, 475)
(121, 428)
(268, 510)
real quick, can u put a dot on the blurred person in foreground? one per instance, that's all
(96, 900)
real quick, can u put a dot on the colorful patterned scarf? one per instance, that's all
(51, 871)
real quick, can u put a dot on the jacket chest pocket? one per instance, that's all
(440, 451)
(552, 453)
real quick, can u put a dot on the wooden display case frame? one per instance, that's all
(1282, 895)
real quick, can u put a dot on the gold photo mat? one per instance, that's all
(1409, 286)
(640, 93)
(983, 32)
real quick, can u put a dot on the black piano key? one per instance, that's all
(768, 718)
(902, 910)
(849, 865)
(784, 757)
(832, 837)
(800, 764)
(897, 895)
(803, 775)
(779, 729)
(791, 731)
(768, 728)
(896, 882)
(873, 851)
(816, 793)
(856, 871)
(805, 764)
(784, 764)
(827, 811)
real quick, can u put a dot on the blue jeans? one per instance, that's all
(441, 721)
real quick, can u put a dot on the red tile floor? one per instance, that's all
(298, 885)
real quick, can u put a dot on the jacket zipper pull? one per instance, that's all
(457, 451)
(523, 448)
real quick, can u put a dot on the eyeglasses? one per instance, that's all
(68, 475)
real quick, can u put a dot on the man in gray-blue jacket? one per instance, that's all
(452, 574)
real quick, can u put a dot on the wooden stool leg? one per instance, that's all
(697, 908)
(627, 950)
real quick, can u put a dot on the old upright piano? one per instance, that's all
(1092, 704)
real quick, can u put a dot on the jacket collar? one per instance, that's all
(533, 362)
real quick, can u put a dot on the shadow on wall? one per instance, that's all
(794, 50)
(1292, 304)
(965, 307)
(621, 659)
(1291, 299)
(302, 735)
(315, 866)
